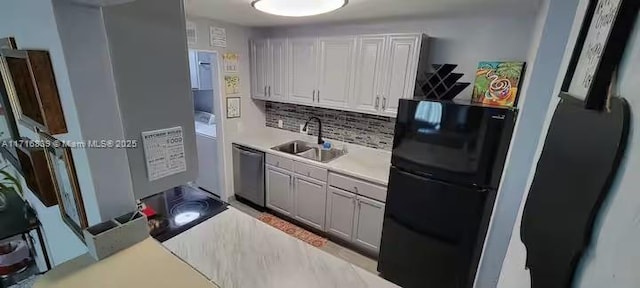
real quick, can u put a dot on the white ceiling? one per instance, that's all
(240, 11)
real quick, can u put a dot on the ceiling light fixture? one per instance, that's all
(298, 8)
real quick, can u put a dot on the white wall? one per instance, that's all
(252, 112)
(613, 257)
(464, 40)
(552, 31)
(33, 24)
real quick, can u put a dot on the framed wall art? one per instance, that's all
(35, 89)
(230, 62)
(65, 182)
(233, 107)
(231, 84)
(8, 126)
(599, 49)
(498, 83)
(37, 175)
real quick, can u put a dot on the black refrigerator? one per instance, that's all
(447, 162)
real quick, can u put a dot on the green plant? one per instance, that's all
(10, 183)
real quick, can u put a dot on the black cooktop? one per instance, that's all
(179, 209)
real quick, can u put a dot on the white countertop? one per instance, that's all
(146, 264)
(360, 162)
(235, 250)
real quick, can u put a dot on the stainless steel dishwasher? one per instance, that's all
(248, 174)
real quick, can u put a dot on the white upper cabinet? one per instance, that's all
(303, 69)
(336, 71)
(259, 64)
(402, 64)
(365, 73)
(368, 76)
(277, 86)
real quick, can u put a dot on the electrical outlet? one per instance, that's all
(280, 123)
(302, 130)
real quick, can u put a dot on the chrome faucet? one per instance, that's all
(320, 141)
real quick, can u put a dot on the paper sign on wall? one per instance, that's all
(218, 36)
(164, 152)
(192, 33)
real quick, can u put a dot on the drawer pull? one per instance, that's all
(355, 188)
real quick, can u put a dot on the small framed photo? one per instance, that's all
(599, 48)
(230, 62)
(65, 182)
(231, 84)
(233, 107)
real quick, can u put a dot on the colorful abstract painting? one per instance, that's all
(497, 83)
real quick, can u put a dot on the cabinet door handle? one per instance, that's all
(377, 102)
(269, 90)
(318, 95)
(204, 63)
(384, 103)
(265, 91)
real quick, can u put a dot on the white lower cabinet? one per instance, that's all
(345, 209)
(367, 230)
(341, 207)
(279, 190)
(355, 218)
(310, 198)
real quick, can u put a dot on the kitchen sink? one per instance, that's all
(294, 147)
(320, 155)
(310, 151)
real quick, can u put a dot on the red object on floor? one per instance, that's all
(149, 212)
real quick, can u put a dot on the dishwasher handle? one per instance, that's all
(248, 152)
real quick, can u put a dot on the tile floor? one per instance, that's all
(332, 248)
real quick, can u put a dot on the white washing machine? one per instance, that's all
(208, 163)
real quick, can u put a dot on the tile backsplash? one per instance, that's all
(362, 129)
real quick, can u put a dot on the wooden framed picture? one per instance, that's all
(37, 99)
(36, 172)
(233, 107)
(66, 184)
(599, 49)
(8, 125)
